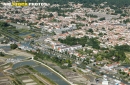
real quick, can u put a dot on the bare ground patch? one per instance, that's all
(20, 53)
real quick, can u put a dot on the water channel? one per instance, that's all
(43, 70)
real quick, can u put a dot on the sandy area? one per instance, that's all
(20, 53)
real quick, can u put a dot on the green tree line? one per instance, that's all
(82, 41)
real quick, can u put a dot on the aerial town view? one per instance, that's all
(64, 42)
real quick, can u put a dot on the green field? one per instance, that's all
(127, 60)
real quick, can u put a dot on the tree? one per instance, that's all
(93, 70)
(90, 30)
(16, 31)
(69, 64)
(99, 58)
(101, 19)
(82, 41)
(13, 46)
(118, 11)
(73, 56)
(100, 34)
(1, 54)
(72, 22)
(3, 24)
(50, 15)
(42, 23)
(126, 21)
(102, 73)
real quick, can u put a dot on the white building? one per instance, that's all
(70, 48)
(59, 46)
(104, 82)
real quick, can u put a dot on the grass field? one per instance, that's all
(127, 60)
(127, 54)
